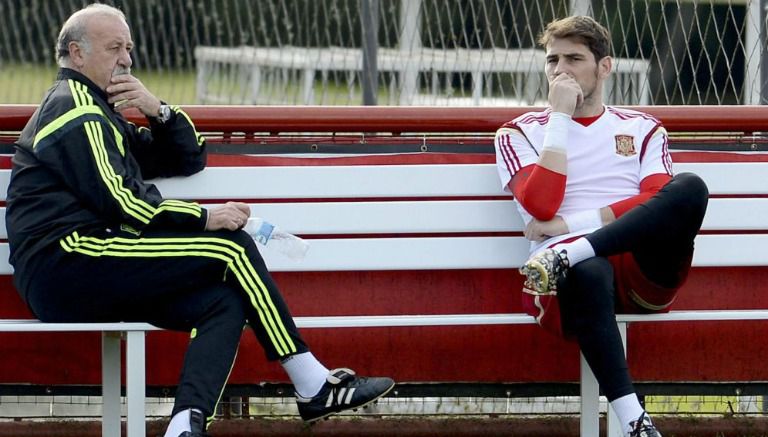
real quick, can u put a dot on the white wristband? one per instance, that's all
(578, 221)
(556, 136)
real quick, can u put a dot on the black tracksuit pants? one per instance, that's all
(659, 233)
(211, 284)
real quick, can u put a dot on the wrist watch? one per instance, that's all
(164, 114)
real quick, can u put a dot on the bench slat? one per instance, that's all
(393, 217)
(729, 177)
(368, 321)
(366, 254)
(389, 254)
(370, 181)
(481, 253)
(20, 325)
(736, 214)
(729, 214)
(437, 253)
(513, 319)
(363, 181)
(440, 216)
(730, 250)
(407, 181)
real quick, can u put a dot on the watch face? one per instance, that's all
(165, 113)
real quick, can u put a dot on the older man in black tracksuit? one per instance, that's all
(92, 242)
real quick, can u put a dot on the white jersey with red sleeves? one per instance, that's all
(606, 159)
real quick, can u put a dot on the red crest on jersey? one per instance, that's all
(625, 145)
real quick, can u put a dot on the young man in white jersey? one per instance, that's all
(611, 229)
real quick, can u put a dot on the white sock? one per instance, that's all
(306, 373)
(577, 251)
(628, 409)
(179, 423)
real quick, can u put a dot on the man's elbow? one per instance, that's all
(197, 167)
(538, 210)
(543, 214)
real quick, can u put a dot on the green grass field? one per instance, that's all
(22, 83)
(26, 83)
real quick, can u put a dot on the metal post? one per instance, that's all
(590, 401)
(763, 53)
(613, 424)
(580, 7)
(135, 383)
(110, 383)
(410, 51)
(369, 19)
(752, 53)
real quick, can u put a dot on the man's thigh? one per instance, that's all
(638, 292)
(131, 278)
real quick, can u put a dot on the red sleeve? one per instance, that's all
(648, 187)
(539, 190)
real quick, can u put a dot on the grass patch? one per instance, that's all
(27, 83)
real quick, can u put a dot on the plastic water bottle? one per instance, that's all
(271, 236)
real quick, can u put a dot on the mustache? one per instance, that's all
(121, 70)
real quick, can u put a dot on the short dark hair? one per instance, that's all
(582, 28)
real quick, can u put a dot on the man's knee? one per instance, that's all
(221, 306)
(691, 192)
(693, 183)
(243, 239)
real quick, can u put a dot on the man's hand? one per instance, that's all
(538, 230)
(565, 94)
(125, 91)
(231, 216)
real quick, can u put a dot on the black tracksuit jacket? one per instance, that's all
(80, 165)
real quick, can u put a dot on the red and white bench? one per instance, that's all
(388, 221)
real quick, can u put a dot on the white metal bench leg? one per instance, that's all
(110, 383)
(614, 428)
(135, 383)
(590, 401)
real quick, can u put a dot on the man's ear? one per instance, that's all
(76, 54)
(605, 66)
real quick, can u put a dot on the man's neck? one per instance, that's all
(587, 111)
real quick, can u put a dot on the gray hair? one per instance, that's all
(75, 30)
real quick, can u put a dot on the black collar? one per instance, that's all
(68, 73)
